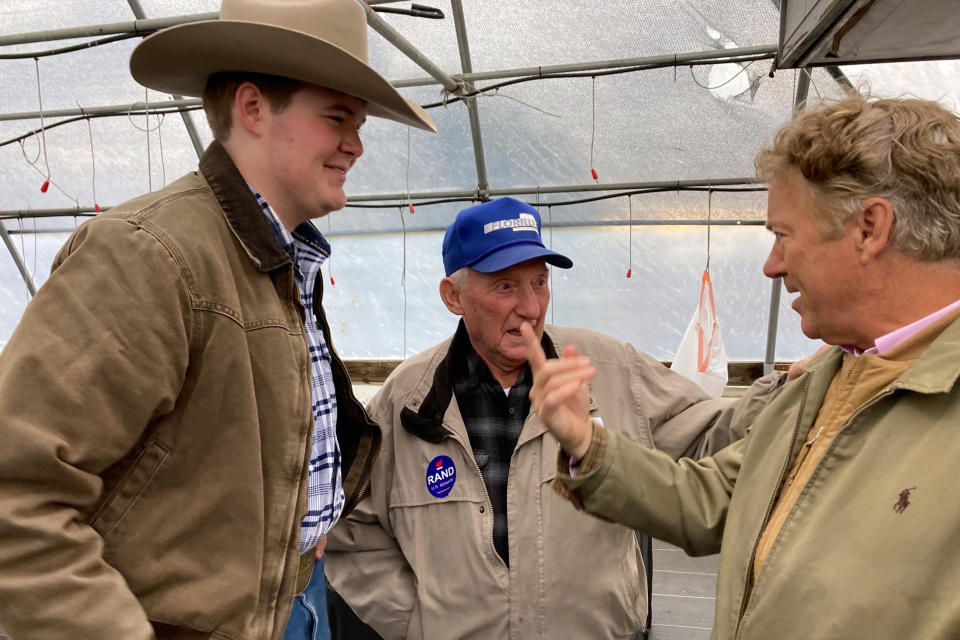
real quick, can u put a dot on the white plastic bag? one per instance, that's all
(701, 356)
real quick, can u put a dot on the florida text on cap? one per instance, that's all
(496, 235)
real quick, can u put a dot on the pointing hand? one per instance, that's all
(559, 393)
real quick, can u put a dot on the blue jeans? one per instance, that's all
(308, 618)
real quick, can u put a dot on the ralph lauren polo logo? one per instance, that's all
(903, 500)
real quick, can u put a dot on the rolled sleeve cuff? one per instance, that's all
(571, 472)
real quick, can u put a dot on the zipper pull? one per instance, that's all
(814, 438)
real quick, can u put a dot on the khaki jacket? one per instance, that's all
(155, 420)
(415, 566)
(869, 549)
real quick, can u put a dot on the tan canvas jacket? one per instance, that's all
(869, 548)
(155, 420)
(419, 567)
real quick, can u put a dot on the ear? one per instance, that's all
(451, 297)
(250, 108)
(874, 227)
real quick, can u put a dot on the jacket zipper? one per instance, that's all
(748, 579)
(336, 363)
(883, 394)
(489, 504)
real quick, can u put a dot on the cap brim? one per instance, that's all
(517, 253)
(179, 60)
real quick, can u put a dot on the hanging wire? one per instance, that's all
(146, 117)
(23, 149)
(403, 283)
(550, 240)
(630, 236)
(48, 181)
(35, 234)
(709, 213)
(726, 82)
(813, 83)
(498, 94)
(593, 124)
(163, 163)
(43, 133)
(93, 164)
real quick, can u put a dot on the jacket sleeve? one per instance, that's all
(364, 563)
(684, 421)
(683, 502)
(100, 351)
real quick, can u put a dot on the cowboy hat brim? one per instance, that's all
(179, 60)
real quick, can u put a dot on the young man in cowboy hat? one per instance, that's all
(178, 434)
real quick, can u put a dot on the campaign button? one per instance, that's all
(441, 475)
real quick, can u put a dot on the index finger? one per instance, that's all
(535, 354)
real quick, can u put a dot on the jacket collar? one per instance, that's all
(936, 370)
(427, 422)
(243, 213)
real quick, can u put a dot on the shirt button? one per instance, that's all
(482, 509)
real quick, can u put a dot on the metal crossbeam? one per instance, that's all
(472, 111)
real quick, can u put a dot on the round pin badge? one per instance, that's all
(441, 476)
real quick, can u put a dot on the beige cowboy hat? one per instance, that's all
(322, 42)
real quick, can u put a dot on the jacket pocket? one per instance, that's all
(129, 489)
(634, 586)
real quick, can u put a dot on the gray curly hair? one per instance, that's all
(904, 150)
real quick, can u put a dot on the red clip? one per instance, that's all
(333, 282)
(44, 186)
(96, 207)
(411, 207)
(629, 272)
(593, 172)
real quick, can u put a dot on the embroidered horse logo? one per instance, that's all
(903, 500)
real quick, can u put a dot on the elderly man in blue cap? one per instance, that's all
(462, 536)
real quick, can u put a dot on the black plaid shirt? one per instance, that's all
(494, 421)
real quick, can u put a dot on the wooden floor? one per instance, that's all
(683, 594)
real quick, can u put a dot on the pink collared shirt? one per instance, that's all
(896, 337)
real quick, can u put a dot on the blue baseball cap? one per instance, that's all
(496, 235)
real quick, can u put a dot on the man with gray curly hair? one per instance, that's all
(836, 515)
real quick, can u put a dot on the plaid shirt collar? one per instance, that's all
(305, 232)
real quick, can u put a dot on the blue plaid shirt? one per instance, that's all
(309, 249)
